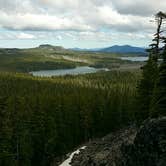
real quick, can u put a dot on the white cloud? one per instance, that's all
(25, 36)
(76, 14)
(139, 7)
(59, 37)
(77, 19)
(60, 4)
(41, 22)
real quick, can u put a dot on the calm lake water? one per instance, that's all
(61, 72)
(135, 59)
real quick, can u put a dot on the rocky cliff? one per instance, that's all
(143, 146)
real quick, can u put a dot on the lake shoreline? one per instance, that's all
(63, 72)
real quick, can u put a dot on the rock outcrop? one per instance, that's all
(149, 146)
(145, 146)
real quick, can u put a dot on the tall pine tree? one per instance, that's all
(158, 104)
(149, 74)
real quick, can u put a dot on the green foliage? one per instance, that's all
(42, 118)
(145, 89)
(158, 104)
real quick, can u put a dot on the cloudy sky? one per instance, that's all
(77, 23)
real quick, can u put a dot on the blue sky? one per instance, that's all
(69, 23)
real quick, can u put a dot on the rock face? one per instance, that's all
(149, 147)
(145, 146)
(105, 151)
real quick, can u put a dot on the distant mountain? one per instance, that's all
(48, 46)
(116, 49)
(45, 46)
(123, 49)
(86, 49)
(112, 49)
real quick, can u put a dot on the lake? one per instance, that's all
(135, 59)
(62, 72)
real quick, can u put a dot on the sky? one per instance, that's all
(77, 23)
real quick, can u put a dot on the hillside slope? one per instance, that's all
(145, 146)
(48, 57)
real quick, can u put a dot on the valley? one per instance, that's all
(47, 57)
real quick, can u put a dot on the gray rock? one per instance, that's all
(145, 146)
(149, 147)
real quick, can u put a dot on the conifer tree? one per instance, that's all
(150, 73)
(158, 104)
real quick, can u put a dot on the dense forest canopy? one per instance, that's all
(45, 118)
